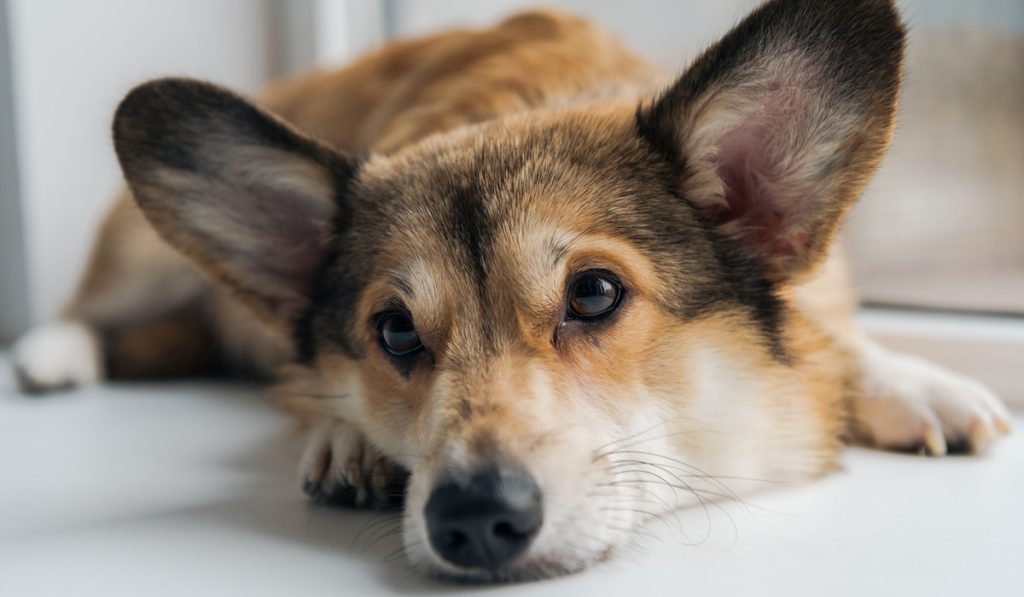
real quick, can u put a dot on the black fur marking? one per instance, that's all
(753, 290)
(167, 122)
(735, 278)
(321, 291)
(746, 285)
(468, 224)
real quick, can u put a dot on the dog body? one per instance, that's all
(563, 292)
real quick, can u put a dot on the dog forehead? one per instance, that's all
(456, 199)
(509, 189)
(501, 180)
(480, 231)
(483, 216)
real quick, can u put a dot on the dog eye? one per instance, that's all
(593, 294)
(398, 334)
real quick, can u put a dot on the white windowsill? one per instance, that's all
(988, 347)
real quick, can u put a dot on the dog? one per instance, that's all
(519, 280)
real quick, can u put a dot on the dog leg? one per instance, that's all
(56, 356)
(135, 310)
(905, 402)
(340, 467)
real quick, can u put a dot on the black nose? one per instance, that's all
(486, 521)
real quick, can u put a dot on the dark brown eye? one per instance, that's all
(593, 295)
(398, 334)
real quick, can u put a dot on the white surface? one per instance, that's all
(189, 489)
(72, 62)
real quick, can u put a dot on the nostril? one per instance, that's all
(453, 540)
(505, 531)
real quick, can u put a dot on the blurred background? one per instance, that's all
(940, 232)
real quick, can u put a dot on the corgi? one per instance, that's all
(521, 283)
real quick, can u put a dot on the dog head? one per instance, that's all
(560, 322)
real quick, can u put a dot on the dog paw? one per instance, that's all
(908, 403)
(339, 467)
(57, 356)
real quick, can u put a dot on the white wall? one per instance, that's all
(668, 32)
(13, 302)
(342, 30)
(72, 61)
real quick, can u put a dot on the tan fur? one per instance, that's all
(409, 90)
(705, 385)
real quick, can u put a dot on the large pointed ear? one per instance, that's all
(773, 132)
(248, 198)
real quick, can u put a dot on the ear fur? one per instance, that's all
(244, 195)
(774, 130)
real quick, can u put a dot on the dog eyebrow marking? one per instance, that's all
(559, 250)
(469, 225)
(402, 285)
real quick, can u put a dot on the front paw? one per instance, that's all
(339, 467)
(57, 356)
(908, 403)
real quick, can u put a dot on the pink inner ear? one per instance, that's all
(301, 251)
(288, 249)
(763, 195)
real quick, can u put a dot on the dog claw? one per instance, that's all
(910, 401)
(340, 468)
(935, 442)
